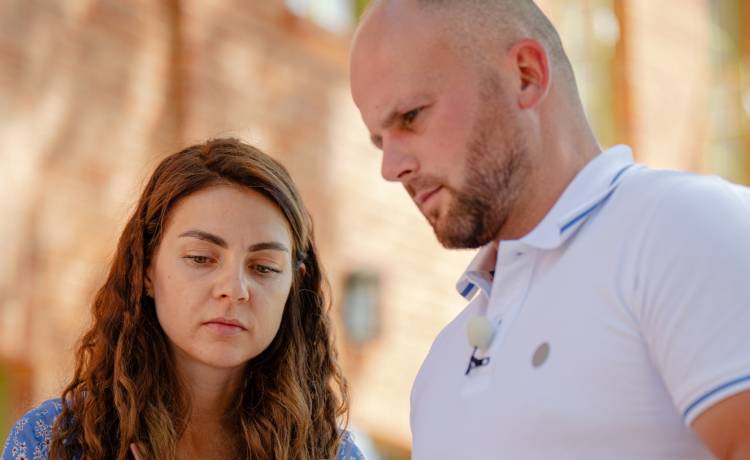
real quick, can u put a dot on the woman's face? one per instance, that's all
(221, 276)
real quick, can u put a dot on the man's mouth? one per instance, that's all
(424, 195)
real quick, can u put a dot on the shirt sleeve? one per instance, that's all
(31, 435)
(348, 449)
(693, 292)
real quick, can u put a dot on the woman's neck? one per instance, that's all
(211, 391)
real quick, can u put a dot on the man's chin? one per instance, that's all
(453, 236)
(451, 239)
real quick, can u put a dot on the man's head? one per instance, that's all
(454, 93)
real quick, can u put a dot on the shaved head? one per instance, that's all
(472, 103)
(481, 25)
(505, 20)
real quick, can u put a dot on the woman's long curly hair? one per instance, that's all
(126, 388)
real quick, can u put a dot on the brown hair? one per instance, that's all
(125, 388)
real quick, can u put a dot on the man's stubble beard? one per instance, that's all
(496, 169)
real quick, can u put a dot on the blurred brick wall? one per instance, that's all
(84, 107)
(93, 93)
(667, 80)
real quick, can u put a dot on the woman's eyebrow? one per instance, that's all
(219, 241)
(273, 245)
(205, 236)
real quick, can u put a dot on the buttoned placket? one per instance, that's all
(501, 304)
(510, 286)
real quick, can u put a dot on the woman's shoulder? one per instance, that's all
(31, 435)
(348, 449)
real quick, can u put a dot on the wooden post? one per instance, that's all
(15, 393)
(622, 109)
(745, 80)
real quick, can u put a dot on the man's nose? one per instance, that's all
(397, 164)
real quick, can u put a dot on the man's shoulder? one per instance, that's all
(655, 185)
(669, 199)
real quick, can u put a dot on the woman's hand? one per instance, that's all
(134, 450)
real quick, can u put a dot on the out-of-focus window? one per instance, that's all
(361, 313)
(334, 15)
(729, 100)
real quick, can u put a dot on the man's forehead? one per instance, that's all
(379, 55)
(381, 87)
(388, 44)
(394, 61)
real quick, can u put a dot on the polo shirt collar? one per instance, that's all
(478, 274)
(588, 189)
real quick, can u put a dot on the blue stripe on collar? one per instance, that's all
(580, 216)
(468, 291)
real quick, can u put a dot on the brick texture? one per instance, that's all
(94, 92)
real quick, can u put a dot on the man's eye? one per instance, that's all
(409, 117)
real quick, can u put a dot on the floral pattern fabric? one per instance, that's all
(30, 437)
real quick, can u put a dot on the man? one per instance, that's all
(609, 305)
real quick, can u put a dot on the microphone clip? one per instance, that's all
(475, 362)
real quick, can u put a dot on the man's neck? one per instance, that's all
(565, 154)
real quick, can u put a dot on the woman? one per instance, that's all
(211, 336)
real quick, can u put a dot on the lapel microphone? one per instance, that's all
(480, 332)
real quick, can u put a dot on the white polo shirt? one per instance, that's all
(622, 316)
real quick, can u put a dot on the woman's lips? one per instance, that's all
(225, 326)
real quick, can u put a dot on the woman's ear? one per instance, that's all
(147, 284)
(302, 268)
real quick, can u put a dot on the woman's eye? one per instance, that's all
(264, 269)
(199, 260)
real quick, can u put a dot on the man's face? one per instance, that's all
(445, 125)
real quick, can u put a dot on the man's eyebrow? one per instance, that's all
(377, 139)
(219, 241)
(389, 120)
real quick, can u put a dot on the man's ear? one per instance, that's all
(529, 59)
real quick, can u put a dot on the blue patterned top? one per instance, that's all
(30, 437)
